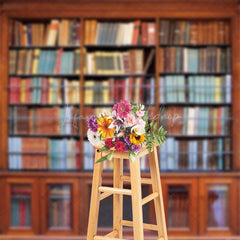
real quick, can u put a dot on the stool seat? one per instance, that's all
(100, 192)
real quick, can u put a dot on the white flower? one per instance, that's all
(138, 129)
(94, 138)
(141, 107)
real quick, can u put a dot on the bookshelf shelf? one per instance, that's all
(110, 105)
(119, 47)
(197, 45)
(32, 105)
(198, 136)
(207, 104)
(45, 75)
(45, 135)
(87, 76)
(44, 47)
(194, 73)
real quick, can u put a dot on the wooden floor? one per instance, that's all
(5, 237)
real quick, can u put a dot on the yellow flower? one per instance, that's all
(137, 139)
(103, 129)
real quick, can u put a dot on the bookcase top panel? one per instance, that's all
(125, 7)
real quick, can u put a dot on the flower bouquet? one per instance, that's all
(126, 129)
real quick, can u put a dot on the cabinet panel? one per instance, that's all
(21, 206)
(218, 206)
(180, 201)
(60, 206)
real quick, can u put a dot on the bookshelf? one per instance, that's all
(115, 50)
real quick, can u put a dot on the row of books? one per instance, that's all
(42, 90)
(114, 89)
(43, 153)
(89, 155)
(178, 207)
(204, 121)
(218, 210)
(44, 121)
(64, 32)
(40, 61)
(119, 33)
(206, 154)
(195, 89)
(202, 59)
(60, 209)
(194, 32)
(20, 207)
(128, 62)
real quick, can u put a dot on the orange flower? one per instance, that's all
(103, 129)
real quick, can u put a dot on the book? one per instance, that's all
(51, 37)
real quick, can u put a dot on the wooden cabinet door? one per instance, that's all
(180, 202)
(217, 209)
(21, 206)
(60, 206)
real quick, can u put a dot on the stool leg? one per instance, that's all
(136, 199)
(117, 198)
(158, 202)
(94, 206)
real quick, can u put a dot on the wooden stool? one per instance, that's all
(100, 192)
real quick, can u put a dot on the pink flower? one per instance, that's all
(130, 120)
(122, 108)
(141, 122)
(140, 113)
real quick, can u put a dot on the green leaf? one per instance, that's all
(106, 157)
(151, 124)
(104, 148)
(155, 128)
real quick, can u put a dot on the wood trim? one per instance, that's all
(191, 184)
(232, 205)
(235, 90)
(34, 229)
(33, 14)
(74, 205)
(4, 91)
(122, 5)
(82, 237)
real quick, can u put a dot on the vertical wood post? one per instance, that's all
(95, 201)
(136, 199)
(117, 198)
(158, 202)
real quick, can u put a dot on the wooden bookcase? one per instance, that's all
(53, 186)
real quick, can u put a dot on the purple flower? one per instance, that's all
(136, 148)
(127, 140)
(92, 123)
(126, 148)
